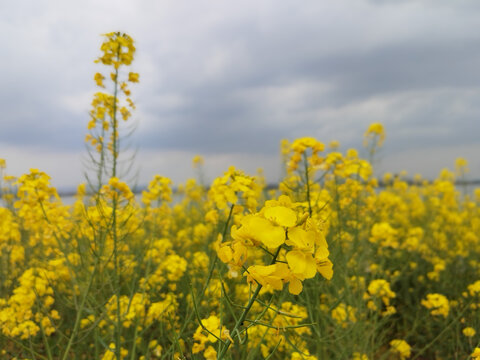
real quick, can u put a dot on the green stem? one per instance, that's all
(114, 215)
(245, 312)
(209, 276)
(305, 162)
(79, 314)
(240, 321)
(454, 321)
(214, 262)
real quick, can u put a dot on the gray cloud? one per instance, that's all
(217, 119)
(221, 77)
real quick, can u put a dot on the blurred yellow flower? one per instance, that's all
(469, 332)
(401, 347)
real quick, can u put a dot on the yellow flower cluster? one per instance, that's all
(118, 49)
(159, 189)
(380, 290)
(210, 331)
(437, 304)
(130, 308)
(30, 306)
(359, 356)
(110, 353)
(469, 332)
(474, 289)
(298, 150)
(116, 189)
(197, 161)
(233, 185)
(344, 315)
(279, 226)
(376, 133)
(401, 348)
(384, 235)
(34, 188)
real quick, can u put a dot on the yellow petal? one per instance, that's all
(301, 239)
(295, 286)
(225, 254)
(310, 267)
(282, 270)
(320, 239)
(321, 253)
(257, 229)
(296, 261)
(240, 253)
(275, 283)
(325, 268)
(262, 270)
(263, 231)
(281, 216)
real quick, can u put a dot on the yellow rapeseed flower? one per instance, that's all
(469, 332)
(359, 356)
(133, 77)
(255, 230)
(476, 354)
(99, 79)
(375, 131)
(401, 347)
(437, 303)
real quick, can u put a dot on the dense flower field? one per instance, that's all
(327, 265)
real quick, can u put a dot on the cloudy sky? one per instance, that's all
(230, 79)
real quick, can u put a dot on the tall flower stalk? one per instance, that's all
(107, 108)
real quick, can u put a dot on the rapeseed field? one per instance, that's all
(326, 265)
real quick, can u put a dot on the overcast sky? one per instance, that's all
(229, 79)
